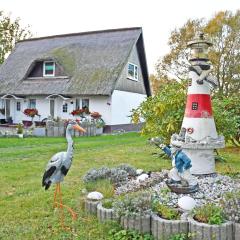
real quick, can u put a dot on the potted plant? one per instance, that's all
(20, 130)
(166, 221)
(231, 208)
(105, 210)
(209, 222)
(31, 112)
(134, 211)
(99, 122)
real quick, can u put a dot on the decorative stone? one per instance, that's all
(91, 206)
(206, 231)
(142, 177)
(186, 203)
(138, 223)
(139, 171)
(163, 229)
(95, 196)
(104, 214)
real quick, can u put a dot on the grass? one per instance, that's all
(26, 210)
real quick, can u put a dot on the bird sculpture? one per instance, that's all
(58, 167)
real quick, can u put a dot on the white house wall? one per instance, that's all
(101, 104)
(122, 104)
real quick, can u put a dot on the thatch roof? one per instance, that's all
(92, 61)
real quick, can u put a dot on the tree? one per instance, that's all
(10, 33)
(224, 31)
(162, 113)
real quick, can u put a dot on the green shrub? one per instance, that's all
(137, 204)
(210, 214)
(231, 206)
(165, 211)
(115, 234)
(107, 203)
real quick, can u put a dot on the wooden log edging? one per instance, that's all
(163, 229)
(206, 231)
(138, 223)
(91, 206)
(237, 231)
(104, 214)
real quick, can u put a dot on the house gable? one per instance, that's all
(137, 59)
(125, 83)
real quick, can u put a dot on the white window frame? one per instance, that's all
(65, 108)
(134, 73)
(18, 103)
(49, 75)
(29, 103)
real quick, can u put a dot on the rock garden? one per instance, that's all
(141, 201)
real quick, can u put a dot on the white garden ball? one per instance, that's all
(139, 171)
(142, 177)
(95, 196)
(186, 203)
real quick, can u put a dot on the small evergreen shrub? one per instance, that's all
(115, 234)
(165, 211)
(231, 206)
(210, 214)
(138, 204)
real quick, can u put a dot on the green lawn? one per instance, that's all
(26, 210)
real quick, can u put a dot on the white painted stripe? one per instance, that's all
(196, 88)
(202, 127)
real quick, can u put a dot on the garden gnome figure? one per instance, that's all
(180, 176)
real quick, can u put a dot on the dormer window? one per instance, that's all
(132, 71)
(48, 69)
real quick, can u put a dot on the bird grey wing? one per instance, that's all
(53, 165)
(47, 174)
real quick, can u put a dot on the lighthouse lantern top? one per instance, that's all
(199, 48)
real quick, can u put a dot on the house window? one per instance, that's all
(194, 106)
(77, 103)
(32, 103)
(48, 69)
(2, 105)
(18, 106)
(65, 108)
(189, 82)
(85, 103)
(132, 71)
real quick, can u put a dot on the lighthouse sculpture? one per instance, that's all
(198, 136)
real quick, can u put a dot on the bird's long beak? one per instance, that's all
(78, 128)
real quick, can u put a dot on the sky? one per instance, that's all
(157, 17)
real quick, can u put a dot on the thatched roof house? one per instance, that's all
(90, 65)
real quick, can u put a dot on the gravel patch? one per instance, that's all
(211, 188)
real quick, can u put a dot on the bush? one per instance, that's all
(107, 203)
(231, 206)
(137, 204)
(210, 214)
(115, 175)
(165, 211)
(115, 234)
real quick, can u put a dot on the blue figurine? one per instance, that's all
(181, 163)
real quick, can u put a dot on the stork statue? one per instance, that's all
(58, 167)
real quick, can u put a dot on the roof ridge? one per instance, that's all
(81, 33)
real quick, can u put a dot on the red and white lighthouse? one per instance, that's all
(198, 137)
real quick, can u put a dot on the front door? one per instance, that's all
(7, 108)
(52, 107)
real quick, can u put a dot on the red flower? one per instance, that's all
(96, 115)
(78, 112)
(31, 112)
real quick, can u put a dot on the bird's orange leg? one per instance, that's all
(55, 195)
(61, 206)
